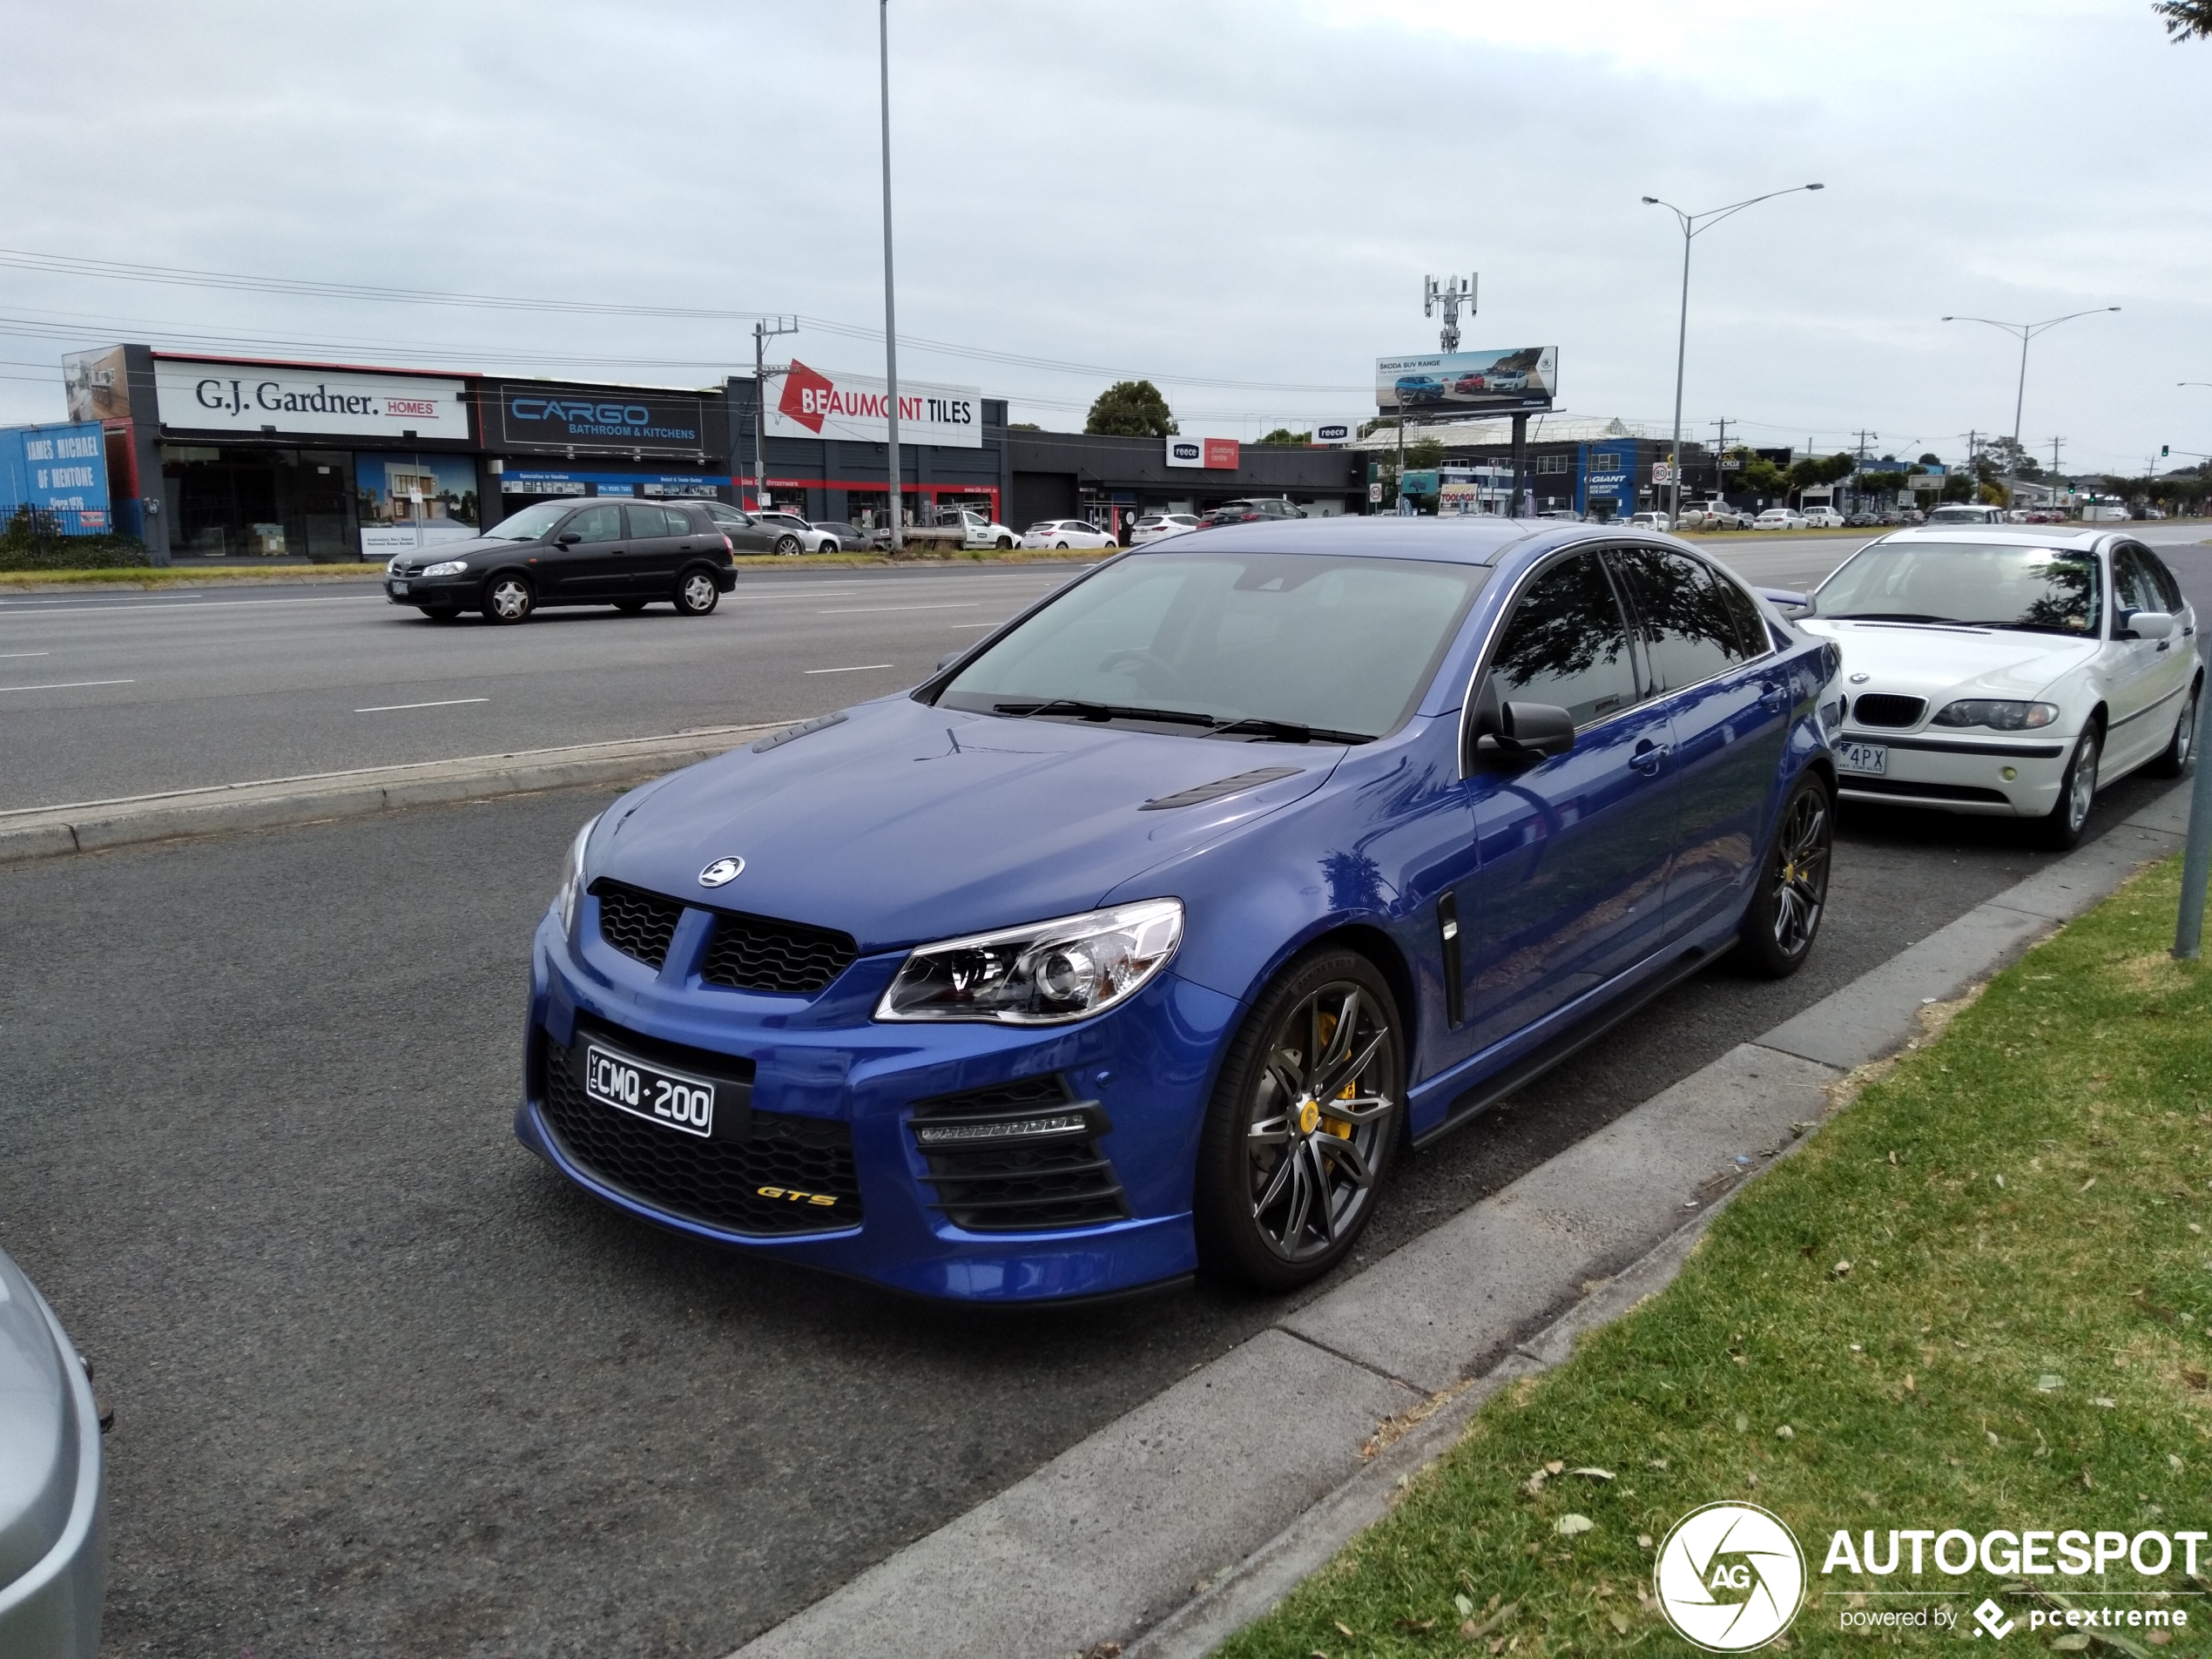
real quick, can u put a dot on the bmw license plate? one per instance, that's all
(1870, 759)
(665, 1097)
(399, 587)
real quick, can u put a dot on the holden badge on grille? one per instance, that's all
(720, 872)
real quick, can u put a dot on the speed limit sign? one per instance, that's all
(1374, 492)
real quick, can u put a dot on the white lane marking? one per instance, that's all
(854, 611)
(444, 703)
(857, 668)
(66, 685)
(25, 653)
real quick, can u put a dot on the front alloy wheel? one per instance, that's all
(1304, 1125)
(508, 598)
(787, 545)
(2063, 824)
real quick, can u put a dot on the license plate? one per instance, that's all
(664, 1097)
(1870, 759)
(399, 587)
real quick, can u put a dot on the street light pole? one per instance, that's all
(761, 334)
(2027, 331)
(890, 310)
(1691, 226)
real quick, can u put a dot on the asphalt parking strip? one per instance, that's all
(1174, 1526)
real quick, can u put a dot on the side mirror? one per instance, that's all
(950, 658)
(567, 538)
(2148, 624)
(1528, 732)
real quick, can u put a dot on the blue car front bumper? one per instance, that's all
(824, 1107)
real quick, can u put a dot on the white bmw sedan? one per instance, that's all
(2013, 669)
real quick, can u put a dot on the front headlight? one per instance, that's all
(448, 566)
(1998, 715)
(571, 894)
(1043, 974)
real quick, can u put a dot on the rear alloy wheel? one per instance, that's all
(1062, 546)
(2060, 827)
(508, 599)
(1303, 1126)
(787, 545)
(1783, 918)
(2175, 759)
(695, 594)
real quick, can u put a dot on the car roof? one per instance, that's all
(2000, 535)
(1388, 536)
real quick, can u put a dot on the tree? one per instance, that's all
(1131, 409)
(1283, 434)
(1423, 454)
(2185, 19)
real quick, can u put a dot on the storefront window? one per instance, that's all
(234, 502)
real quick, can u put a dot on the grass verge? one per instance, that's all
(1978, 1299)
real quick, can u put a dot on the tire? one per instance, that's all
(1006, 544)
(509, 599)
(630, 607)
(787, 545)
(696, 592)
(827, 547)
(1062, 546)
(1264, 1153)
(2059, 829)
(2181, 748)
(1783, 918)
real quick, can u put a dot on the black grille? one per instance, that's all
(636, 923)
(715, 1181)
(755, 954)
(1880, 708)
(1857, 784)
(1065, 1181)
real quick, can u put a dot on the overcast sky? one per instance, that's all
(1201, 191)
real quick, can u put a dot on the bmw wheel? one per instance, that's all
(508, 598)
(1303, 1124)
(695, 594)
(2060, 828)
(1784, 917)
(2175, 759)
(787, 545)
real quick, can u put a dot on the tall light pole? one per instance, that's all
(762, 331)
(1692, 224)
(890, 309)
(2027, 331)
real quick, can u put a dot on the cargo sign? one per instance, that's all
(1441, 383)
(60, 469)
(824, 403)
(1216, 454)
(205, 395)
(565, 418)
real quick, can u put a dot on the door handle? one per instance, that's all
(1647, 756)
(1775, 698)
(2166, 644)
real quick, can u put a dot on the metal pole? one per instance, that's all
(1681, 351)
(2020, 399)
(759, 415)
(890, 311)
(2197, 862)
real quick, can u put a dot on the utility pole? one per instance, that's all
(890, 311)
(1720, 455)
(762, 332)
(1451, 294)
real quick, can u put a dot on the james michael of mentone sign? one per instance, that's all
(212, 396)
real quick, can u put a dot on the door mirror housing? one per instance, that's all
(2148, 624)
(567, 538)
(1528, 732)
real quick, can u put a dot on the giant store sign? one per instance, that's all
(206, 396)
(559, 419)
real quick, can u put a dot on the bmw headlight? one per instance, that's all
(571, 894)
(1998, 715)
(1043, 974)
(447, 567)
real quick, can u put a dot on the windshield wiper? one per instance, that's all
(2023, 625)
(1889, 615)
(1085, 710)
(1286, 732)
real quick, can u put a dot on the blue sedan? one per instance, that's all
(1146, 935)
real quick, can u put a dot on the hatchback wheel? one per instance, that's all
(2061, 827)
(1784, 919)
(1304, 1124)
(695, 594)
(2175, 759)
(1005, 543)
(508, 599)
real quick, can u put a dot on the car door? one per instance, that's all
(1572, 851)
(659, 539)
(746, 533)
(590, 567)
(1727, 696)
(2146, 673)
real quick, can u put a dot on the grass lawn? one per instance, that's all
(1977, 1298)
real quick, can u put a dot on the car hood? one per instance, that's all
(1926, 660)
(904, 823)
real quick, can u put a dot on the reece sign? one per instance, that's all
(210, 396)
(821, 403)
(1218, 454)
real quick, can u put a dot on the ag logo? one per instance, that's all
(1730, 1577)
(721, 872)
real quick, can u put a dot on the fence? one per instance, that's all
(26, 521)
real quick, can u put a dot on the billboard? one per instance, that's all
(824, 403)
(408, 502)
(96, 385)
(558, 419)
(55, 469)
(1216, 454)
(206, 396)
(1467, 382)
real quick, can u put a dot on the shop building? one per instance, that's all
(1597, 468)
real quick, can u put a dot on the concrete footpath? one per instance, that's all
(90, 825)
(1173, 1527)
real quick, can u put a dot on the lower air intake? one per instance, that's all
(1018, 1157)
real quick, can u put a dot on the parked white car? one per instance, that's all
(1650, 521)
(1155, 526)
(1822, 518)
(1066, 532)
(789, 533)
(2011, 670)
(1779, 518)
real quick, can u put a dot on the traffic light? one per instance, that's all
(2164, 450)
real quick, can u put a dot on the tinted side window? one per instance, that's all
(1689, 632)
(598, 523)
(2131, 576)
(1750, 626)
(1567, 644)
(2170, 589)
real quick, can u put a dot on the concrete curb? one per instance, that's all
(88, 827)
(1171, 1528)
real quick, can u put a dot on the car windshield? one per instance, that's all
(1257, 645)
(531, 522)
(1990, 585)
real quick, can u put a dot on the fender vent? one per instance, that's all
(1219, 787)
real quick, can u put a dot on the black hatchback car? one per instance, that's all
(622, 553)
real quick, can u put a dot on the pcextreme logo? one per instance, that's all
(1729, 1577)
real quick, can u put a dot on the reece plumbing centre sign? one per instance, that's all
(211, 396)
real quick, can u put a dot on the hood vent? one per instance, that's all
(1219, 787)
(778, 739)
